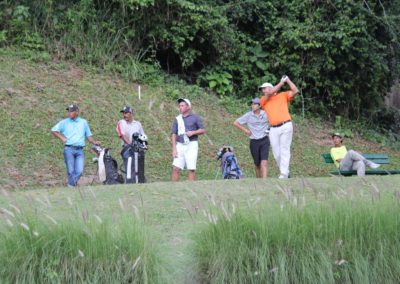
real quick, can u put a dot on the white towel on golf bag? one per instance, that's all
(102, 168)
(181, 125)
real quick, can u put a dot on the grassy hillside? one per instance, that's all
(33, 97)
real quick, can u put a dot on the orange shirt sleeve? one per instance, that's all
(262, 101)
(288, 98)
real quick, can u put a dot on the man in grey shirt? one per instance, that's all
(184, 136)
(257, 129)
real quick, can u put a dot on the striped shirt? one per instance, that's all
(126, 129)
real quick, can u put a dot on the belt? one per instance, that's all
(265, 137)
(280, 124)
(76, 147)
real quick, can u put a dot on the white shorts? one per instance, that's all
(187, 155)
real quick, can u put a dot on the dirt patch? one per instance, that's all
(321, 137)
(16, 179)
(14, 173)
(89, 180)
(46, 178)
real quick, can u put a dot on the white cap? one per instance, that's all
(186, 101)
(265, 85)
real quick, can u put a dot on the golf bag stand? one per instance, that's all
(134, 157)
(107, 166)
(229, 166)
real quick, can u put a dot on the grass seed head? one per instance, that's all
(25, 226)
(136, 263)
(8, 212)
(15, 208)
(9, 223)
(98, 218)
(121, 204)
(136, 211)
(340, 262)
(51, 219)
(273, 270)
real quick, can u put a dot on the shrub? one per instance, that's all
(332, 243)
(77, 252)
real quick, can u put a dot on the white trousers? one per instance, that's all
(281, 140)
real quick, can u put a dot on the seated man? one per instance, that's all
(349, 160)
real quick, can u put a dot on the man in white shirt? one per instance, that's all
(128, 126)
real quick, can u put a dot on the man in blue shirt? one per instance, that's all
(73, 131)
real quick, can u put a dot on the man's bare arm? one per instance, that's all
(59, 136)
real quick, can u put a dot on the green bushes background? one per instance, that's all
(342, 54)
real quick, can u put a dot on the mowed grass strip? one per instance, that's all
(350, 240)
(115, 250)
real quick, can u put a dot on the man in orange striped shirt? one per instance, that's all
(276, 105)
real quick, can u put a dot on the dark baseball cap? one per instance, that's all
(127, 109)
(72, 107)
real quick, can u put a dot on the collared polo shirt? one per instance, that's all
(192, 122)
(257, 124)
(277, 107)
(75, 130)
(127, 129)
(338, 153)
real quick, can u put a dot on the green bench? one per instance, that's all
(382, 159)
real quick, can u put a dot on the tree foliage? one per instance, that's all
(342, 54)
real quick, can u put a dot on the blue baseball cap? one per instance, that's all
(127, 109)
(256, 101)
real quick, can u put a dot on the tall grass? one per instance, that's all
(334, 242)
(118, 251)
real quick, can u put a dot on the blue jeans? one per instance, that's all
(74, 158)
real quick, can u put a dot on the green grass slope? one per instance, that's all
(33, 97)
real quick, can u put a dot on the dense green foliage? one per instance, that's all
(346, 241)
(343, 55)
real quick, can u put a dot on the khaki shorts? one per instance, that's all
(187, 155)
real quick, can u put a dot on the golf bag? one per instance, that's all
(229, 166)
(107, 167)
(134, 156)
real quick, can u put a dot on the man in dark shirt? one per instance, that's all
(185, 130)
